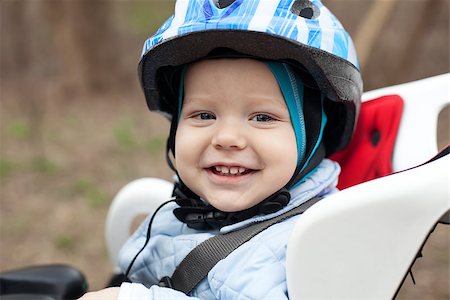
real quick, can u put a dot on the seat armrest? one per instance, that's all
(141, 196)
(360, 243)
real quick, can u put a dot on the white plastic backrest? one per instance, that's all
(360, 242)
(417, 136)
(141, 196)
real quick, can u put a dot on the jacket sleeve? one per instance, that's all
(137, 291)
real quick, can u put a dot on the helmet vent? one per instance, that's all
(223, 3)
(305, 9)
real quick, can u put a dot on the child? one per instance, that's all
(259, 93)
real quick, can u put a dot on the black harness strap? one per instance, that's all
(197, 264)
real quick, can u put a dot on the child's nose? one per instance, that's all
(229, 137)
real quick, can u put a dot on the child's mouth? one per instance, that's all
(229, 171)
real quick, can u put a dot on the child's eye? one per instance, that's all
(263, 118)
(205, 116)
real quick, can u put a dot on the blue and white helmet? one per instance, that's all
(303, 33)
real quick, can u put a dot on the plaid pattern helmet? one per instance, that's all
(303, 33)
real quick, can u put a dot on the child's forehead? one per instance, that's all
(231, 81)
(239, 67)
(230, 75)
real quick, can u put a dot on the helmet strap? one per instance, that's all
(199, 215)
(315, 151)
(170, 144)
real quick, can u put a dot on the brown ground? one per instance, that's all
(61, 167)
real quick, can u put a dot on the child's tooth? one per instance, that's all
(241, 170)
(218, 169)
(234, 170)
(225, 170)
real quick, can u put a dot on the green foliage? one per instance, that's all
(19, 129)
(7, 167)
(147, 16)
(65, 242)
(124, 136)
(39, 164)
(43, 165)
(156, 145)
(90, 192)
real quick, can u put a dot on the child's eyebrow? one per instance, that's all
(255, 100)
(262, 100)
(270, 98)
(197, 99)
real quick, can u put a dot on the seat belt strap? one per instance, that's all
(197, 264)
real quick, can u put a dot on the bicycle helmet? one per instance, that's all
(301, 33)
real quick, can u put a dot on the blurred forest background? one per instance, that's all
(75, 127)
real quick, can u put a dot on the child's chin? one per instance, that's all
(232, 203)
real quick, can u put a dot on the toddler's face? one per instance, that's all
(235, 144)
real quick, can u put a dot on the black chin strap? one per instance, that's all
(201, 216)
